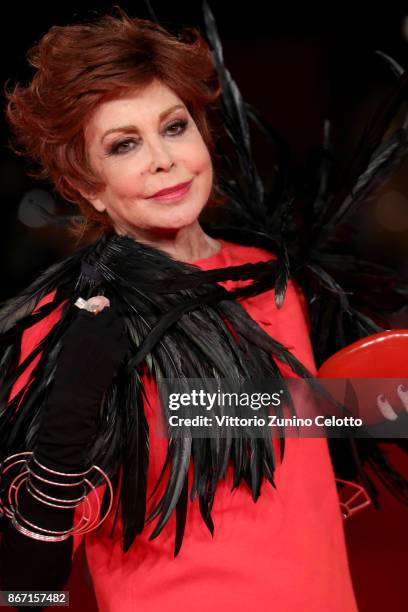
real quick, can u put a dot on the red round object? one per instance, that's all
(382, 355)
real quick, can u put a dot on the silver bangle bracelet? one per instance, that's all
(37, 536)
(18, 515)
(39, 496)
(69, 474)
(72, 531)
(56, 483)
(89, 504)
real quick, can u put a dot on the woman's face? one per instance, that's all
(139, 145)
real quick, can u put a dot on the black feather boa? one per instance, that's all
(177, 318)
(179, 321)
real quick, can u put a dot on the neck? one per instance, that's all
(186, 244)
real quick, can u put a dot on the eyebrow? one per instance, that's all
(128, 128)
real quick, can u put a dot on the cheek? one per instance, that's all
(203, 169)
(207, 172)
(124, 180)
(206, 163)
(196, 155)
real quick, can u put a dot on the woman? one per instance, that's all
(117, 116)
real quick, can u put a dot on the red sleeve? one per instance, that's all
(32, 337)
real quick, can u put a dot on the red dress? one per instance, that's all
(284, 553)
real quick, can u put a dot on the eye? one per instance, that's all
(176, 127)
(123, 146)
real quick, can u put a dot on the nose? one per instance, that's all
(160, 159)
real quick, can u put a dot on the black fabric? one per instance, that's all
(49, 565)
(92, 349)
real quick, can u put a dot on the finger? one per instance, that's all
(386, 409)
(95, 304)
(402, 392)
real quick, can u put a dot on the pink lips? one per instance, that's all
(172, 193)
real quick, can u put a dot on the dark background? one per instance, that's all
(298, 64)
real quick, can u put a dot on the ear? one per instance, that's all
(97, 201)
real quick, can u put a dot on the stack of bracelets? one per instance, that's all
(64, 491)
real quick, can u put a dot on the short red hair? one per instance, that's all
(78, 67)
